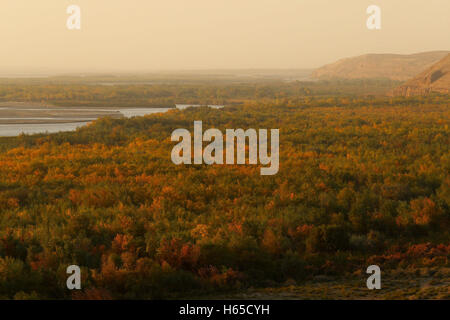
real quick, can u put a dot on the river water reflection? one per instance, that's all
(14, 129)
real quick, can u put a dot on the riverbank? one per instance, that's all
(36, 113)
(31, 118)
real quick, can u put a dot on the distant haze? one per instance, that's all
(148, 35)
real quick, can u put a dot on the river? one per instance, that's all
(15, 129)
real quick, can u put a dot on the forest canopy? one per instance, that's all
(362, 180)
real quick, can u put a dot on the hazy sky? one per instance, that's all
(146, 35)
